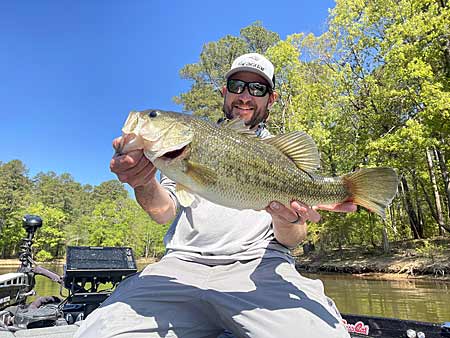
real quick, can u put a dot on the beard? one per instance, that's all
(260, 113)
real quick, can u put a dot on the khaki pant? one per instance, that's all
(175, 298)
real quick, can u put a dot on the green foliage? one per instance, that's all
(112, 189)
(120, 222)
(153, 245)
(43, 256)
(430, 250)
(50, 237)
(72, 214)
(15, 189)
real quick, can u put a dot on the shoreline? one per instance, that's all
(383, 276)
(14, 262)
(417, 259)
(412, 259)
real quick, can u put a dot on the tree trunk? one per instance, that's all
(401, 213)
(431, 205)
(437, 198)
(386, 247)
(372, 231)
(420, 218)
(445, 176)
(413, 221)
(147, 245)
(392, 216)
(341, 252)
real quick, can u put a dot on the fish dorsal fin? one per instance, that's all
(239, 126)
(299, 147)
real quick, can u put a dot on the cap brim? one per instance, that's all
(252, 70)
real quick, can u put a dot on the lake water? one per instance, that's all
(423, 300)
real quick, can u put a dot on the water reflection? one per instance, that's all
(422, 300)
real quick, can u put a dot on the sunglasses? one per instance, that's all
(254, 88)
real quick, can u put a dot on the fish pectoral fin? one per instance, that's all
(185, 198)
(299, 147)
(201, 174)
(240, 127)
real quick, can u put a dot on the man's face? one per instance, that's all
(251, 109)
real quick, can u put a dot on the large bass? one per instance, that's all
(228, 165)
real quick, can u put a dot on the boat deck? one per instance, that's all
(66, 331)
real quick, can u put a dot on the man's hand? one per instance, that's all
(289, 223)
(136, 170)
(132, 168)
(297, 213)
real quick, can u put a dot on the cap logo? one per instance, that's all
(251, 64)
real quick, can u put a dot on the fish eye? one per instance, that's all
(153, 113)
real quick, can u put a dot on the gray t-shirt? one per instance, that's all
(213, 234)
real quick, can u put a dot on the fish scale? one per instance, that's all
(266, 175)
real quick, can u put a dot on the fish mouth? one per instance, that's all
(175, 154)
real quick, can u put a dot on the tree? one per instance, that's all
(112, 189)
(14, 195)
(123, 222)
(58, 191)
(49, 240)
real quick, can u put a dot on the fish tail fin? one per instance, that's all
(372, 188)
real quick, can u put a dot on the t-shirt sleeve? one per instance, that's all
(170, 187)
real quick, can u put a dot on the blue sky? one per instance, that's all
(72, 70)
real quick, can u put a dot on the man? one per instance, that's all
(224, 268)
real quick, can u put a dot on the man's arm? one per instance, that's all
(289, 224)
(156, 201)
(136, 170)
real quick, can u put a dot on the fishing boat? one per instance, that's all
(49, 317)
(358, 326)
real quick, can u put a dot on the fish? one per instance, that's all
(229, 165)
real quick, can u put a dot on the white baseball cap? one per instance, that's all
(255, 63)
